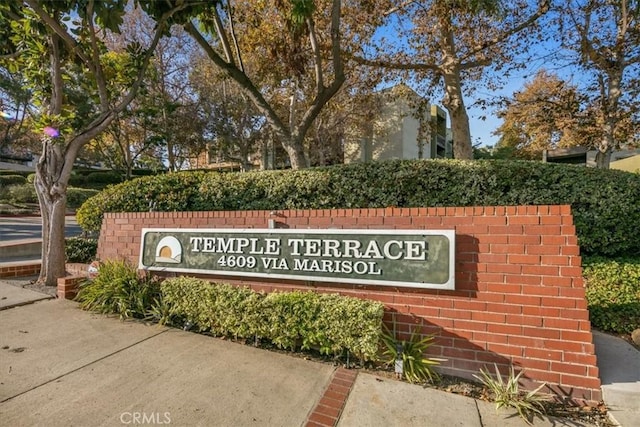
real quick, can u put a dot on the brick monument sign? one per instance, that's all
(496, 284)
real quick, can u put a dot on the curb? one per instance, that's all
(23, 303)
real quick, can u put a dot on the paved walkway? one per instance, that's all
(12, 294)
(619, 365)
(60, 366)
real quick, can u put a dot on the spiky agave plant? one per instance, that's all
(416, 367)
(507, 393)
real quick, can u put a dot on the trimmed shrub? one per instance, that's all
(107, 177)
(146, 172)
(188, 300)
(237, 311)
(331, 323)
(12, 172)
(6, 180)
(170, 192)
(613, 293)
(289, 319)
(80, 249)
(604, 202)
(348, 323)
(77, 196)
(25, 193)
(78, 180)
(118, 289)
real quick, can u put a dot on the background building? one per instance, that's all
(625, 159)
(405, 126)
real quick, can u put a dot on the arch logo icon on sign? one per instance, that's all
(169, 250)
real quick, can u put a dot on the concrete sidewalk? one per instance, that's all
(67, 367)
(12, 294)
(60, 366)
(619, 365)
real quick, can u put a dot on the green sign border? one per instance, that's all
(448, 284)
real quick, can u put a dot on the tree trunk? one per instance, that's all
(610, 96)
(607, 141)
(453, 101)
(245, 164)
(51, 187)
(295, 150)
(128, 160)
(605, 148)
(603, 159)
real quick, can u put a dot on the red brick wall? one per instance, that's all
(20, 269)
(519, 295)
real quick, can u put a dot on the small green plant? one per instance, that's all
(507, 393)
(416, 368)
(119, 289)
(80, 249)
(160, 312)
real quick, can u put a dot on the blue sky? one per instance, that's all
(482, 129)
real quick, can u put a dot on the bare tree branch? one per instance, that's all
(100, 80)
(542, 9)
(222, 34)
(338, 69)
(61, 32)
(233, 37)
(398, 7)
(316, 55)
(392, 65)
(474, 64)
(233, 72)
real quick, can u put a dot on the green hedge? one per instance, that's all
(171, 192)
(613, 293)
(604, 202)
(25, 193)
(80, 249)
(76, 197)
(13, 172)
(331, 323)
(6, 180)
(104, 177)
(78, 180)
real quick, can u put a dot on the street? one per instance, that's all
(19, 228)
